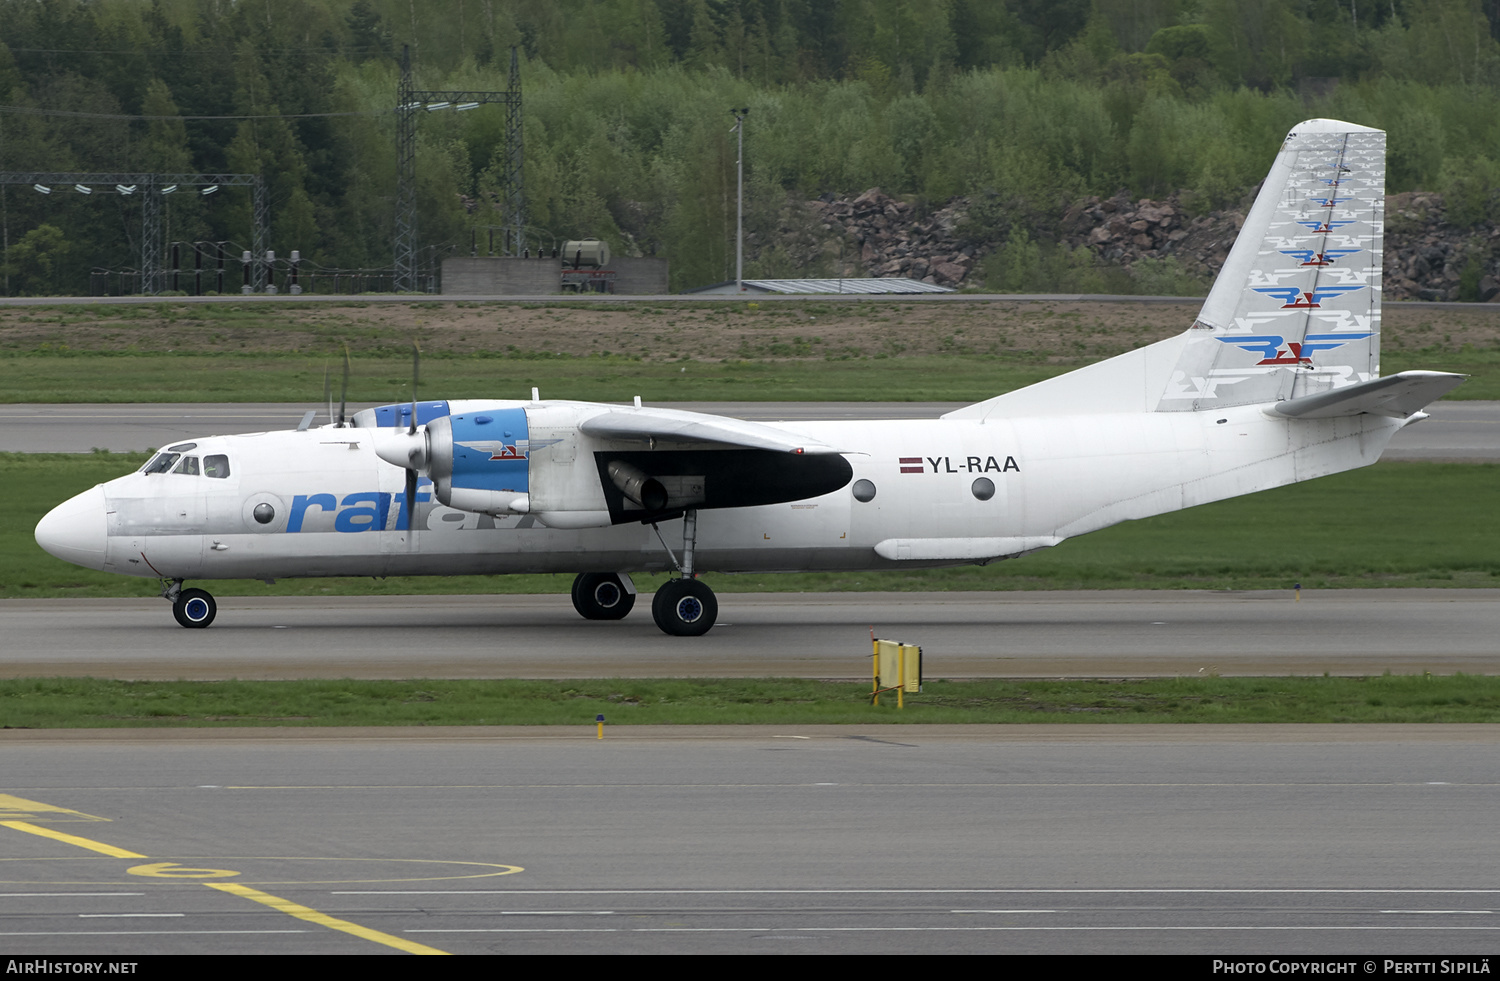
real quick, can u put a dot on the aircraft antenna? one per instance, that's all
(344, 391)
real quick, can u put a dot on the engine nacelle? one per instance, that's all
(537, 459)
(478, 461)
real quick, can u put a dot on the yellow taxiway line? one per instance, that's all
(323, 919)
(90, 844)
(18, 805)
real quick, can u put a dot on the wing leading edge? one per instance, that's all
(682, 426)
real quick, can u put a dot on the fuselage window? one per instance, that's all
(189, 465)
(161, 463)
(216, 466)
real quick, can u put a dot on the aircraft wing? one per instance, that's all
(681, 426)
(1399, 396)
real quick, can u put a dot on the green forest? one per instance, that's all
(1022, 106)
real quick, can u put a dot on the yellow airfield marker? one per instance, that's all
(172, 870)
(599, 721)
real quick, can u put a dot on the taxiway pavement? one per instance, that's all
(1116, 633)
(1459, 431)
(894, 839)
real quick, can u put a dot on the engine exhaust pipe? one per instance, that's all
(646, 491)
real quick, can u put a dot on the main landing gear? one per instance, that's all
(191, 607)
(603, 595)
(682, 607)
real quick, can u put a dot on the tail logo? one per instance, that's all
(1270, 346)
(1311, 257)
(1295, 299)
(1324, 227)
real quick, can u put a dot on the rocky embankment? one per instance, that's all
(895, 240)
(1425, 257)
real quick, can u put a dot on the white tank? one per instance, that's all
(588, 253)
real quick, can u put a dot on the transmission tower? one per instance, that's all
(408, 101)
(152, 187)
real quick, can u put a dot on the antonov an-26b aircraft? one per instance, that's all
(1278, 380)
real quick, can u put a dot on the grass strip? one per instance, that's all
(806, 349)
(265, 377)
(270, 377)
(1394, 524)
(68, 703)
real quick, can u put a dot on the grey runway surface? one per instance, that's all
(1024, 839)
(1124, 633)
(79, 428)
(1457, 431)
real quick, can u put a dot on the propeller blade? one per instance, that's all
(411, 474)
(344, 392)
(416, 365)
(411, 503)
(328, 393)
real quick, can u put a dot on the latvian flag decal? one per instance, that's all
(911, 464)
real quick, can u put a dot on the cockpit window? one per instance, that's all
(161, 463)
(189, 465)
(182, 447)
(216, 466)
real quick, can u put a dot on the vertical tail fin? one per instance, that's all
(1296, 308)
(1295, 311)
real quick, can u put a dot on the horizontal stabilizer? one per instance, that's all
(681, 426)
(1399, 396)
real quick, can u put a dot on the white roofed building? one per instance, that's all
(893, 284)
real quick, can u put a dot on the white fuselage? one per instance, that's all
(1277, 380)
(338, 510)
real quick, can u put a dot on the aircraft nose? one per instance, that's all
(75, 531)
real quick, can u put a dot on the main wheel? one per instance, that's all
(601, 596)
(685, 608)
(194, 608)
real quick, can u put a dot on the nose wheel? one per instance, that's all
(194, 607)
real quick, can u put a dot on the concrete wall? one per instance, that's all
(508, 276)
(640, 276)
(493, 275)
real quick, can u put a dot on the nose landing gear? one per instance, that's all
(190, 607)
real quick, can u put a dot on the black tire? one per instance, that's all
(685, 608)
(194, 608)
(601, 596)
